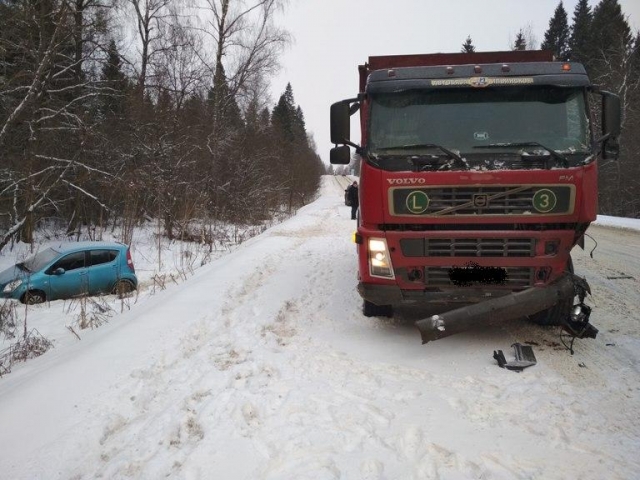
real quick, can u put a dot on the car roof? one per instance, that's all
(86, 245)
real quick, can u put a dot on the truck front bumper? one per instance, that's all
(394, 295)
(509, 307)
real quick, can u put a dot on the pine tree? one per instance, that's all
(265, 119)
(520, 42)
(224, 108)
(635, 58)
(467, 46)
(301, 167)
(609, 63)
(299, 125)
(112, 69)
(610, 30)
(611, 67)
(114, 79)
(284, 114)
(288, 119)
(251, 116)
(556, 38)
(580, 43)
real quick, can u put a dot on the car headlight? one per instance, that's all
(11, 286)
(379, 260)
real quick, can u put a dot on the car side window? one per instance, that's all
(98, 257)
(70, 262)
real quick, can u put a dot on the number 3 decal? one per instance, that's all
(544, 200)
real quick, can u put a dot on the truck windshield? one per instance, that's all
(462, 120)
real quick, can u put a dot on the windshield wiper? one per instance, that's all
(459, 160)
(553, 153)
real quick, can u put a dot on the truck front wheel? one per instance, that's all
(372, 310)
(556, 315)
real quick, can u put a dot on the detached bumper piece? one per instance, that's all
(493, 311)
(578, 325)
(524, 358)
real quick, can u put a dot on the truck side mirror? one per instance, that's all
(340, 155)
(611, 120)
(610, 114)
(340, 123)
(610, 149)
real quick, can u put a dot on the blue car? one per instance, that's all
(70, 270)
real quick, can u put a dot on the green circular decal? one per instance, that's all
(417, 202)
(544, 200)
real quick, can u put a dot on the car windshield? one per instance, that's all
(39, 260)
(462, 120)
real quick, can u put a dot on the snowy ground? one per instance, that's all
(261, 366)
(159, 264)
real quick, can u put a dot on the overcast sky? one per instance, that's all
(333, 37)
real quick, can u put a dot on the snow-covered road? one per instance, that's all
(261, 366)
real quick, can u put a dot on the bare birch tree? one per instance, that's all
(247, 45)
(150, 17)
(48, 99)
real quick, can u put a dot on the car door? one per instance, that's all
(68, 277)
(102, 269)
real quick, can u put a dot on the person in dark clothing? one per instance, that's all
(352, 193)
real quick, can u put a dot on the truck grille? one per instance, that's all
(438, 227)
(516, 277)
(482, 200)
(468, 247)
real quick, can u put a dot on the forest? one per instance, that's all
(117, 112)
(602, 40)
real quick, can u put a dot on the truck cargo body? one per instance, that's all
(478, 173)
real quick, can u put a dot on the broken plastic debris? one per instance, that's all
(524, 358)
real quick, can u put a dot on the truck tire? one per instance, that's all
(560, 312)
(372, 310)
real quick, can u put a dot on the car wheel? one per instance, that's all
(33, 297)
(122, 288)
(372, 310)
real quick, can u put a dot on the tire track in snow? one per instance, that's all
(226, 342)
(351, 421)
(559, 389)
(264, 374)
(499, 404)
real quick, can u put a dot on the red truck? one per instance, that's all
(478, 175)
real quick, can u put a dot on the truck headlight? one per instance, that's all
(379, 260)
(11, 286)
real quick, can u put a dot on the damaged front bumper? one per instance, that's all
(394, 295)
(502, 309)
